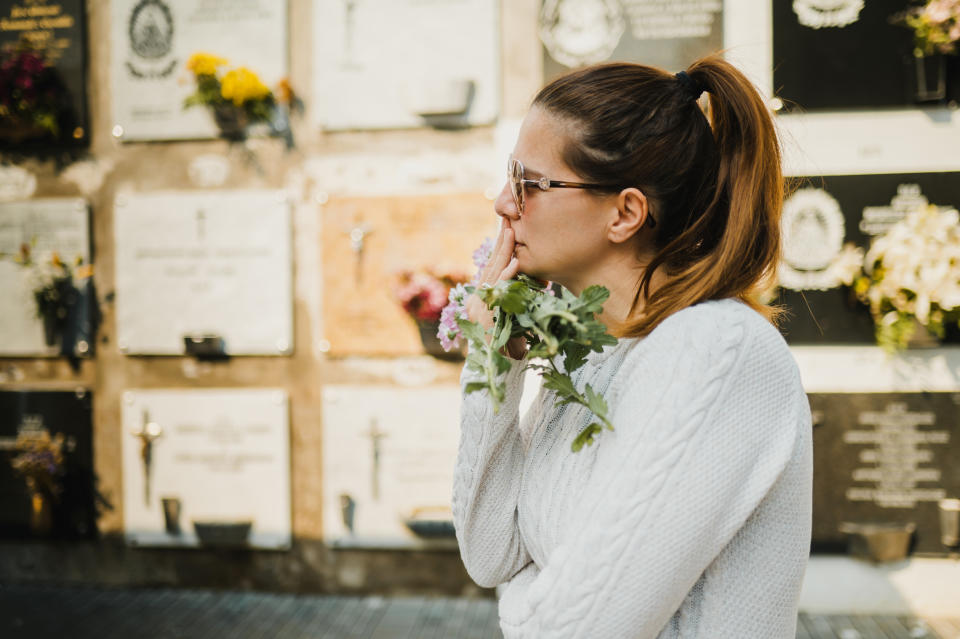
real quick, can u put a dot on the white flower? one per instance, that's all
(919, 256)
(847, 264)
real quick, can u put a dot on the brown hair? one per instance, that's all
(712, 179)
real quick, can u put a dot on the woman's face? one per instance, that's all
(561, 234)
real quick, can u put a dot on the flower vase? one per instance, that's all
(931, 77)
(50, 327)
(922, 337)
(431, 343)
(231, 121)
(41, 513)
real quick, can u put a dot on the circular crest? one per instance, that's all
(151, 29)
(817, 14)
(581, 32)
(812, 231)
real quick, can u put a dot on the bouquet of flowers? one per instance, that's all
(238, 98)
(935, 25)
(559, 327)
(55, 287)
(39, 460)
(31, 95)
(423, 294)
(912, 276)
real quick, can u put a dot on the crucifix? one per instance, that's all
(357, 236)
(147, 431)
(375, 436)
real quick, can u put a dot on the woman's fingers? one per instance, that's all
(496, 248)
(510, 270)
(500, 256)
(503, 256)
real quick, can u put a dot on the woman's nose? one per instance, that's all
(504, 204)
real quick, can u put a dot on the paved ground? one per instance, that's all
(33, 612)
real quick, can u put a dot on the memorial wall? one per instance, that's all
(227, 362)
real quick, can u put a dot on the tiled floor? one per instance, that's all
(36, 612)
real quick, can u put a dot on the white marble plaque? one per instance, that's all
(387, 451)
(405, 63)
(208, 461)
(52, 224)
(204, 263)
(152, 41)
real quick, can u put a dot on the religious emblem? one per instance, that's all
(818, 14)
(150, 31)
(813, 232)
(581, 32)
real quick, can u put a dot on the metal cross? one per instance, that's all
(147, 431)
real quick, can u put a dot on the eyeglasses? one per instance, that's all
(518, 184)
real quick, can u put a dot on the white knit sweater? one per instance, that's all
(691, 519)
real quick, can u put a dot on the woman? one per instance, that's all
(692, 517)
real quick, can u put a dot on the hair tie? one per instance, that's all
(693, 88)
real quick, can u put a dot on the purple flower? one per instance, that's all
(449, 332)
(482, 255)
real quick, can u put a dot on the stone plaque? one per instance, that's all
(66, 413)
(58, 225)
(389, 234)
(884, 457)
(821, 216)
(193, 263)
(387, 453)
(405, 63)
(206, 468)
(55, 29)
(661, 33)
(152, 41)
(846, 54)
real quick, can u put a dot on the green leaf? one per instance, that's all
(595, 401)
(502, 333)
(585, 437)
(473, 387)
(472, 330)
(560, 383)
(575, 356)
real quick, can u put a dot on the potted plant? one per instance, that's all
(238, 99)
(423, 295)
(911, 279)
(936, 32)
(38, 459)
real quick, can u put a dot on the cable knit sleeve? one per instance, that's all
(486, 482)
(700, 439)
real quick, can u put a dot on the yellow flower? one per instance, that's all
(204, 63)
(241, 85)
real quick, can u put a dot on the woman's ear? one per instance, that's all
(632, 212)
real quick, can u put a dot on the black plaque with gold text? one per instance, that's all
(54, 30)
